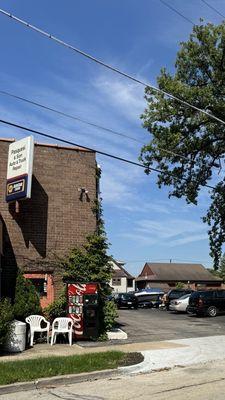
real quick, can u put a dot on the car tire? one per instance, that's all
(212, 311)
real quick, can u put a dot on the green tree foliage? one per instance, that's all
(90, 262)
(196, 141)
(26, 300)
(6, 317)
(220, 272)
(56, 309)
(111, 313)
(222, 267)
(179, 285)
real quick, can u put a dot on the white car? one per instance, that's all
(180, 305)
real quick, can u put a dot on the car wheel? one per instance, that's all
(212, 311)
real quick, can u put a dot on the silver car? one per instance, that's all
(180, 305)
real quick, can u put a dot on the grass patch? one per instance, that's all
(28, 370)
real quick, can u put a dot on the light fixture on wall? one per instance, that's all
(83, 192)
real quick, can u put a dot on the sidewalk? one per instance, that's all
(187, 352)
(45, 350)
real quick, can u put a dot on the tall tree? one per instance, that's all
(186, 145)
(222, 268)
(92, 263)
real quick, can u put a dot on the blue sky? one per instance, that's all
(138, 37)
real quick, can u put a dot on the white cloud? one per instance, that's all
(140, 239)
(170, 227)
(188, 239)
(169, 232)
(126, 97)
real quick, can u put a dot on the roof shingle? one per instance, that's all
(176, 272)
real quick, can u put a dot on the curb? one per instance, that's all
(57, 380)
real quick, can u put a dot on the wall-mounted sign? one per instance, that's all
(20, 169)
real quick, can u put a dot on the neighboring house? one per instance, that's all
(57, 218)
(121, 280)
(166, 275)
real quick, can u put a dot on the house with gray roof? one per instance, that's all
(166, 275)
(121, 281)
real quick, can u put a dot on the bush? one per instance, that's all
(110, 314)
(6, 317)
(26, 301)
(56, 309)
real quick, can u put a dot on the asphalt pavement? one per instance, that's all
(149, 325)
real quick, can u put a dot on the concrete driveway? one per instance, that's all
(154, 325)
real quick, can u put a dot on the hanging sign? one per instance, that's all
(20, 169)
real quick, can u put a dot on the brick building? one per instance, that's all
(57, 218)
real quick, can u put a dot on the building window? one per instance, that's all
(40, 286)
(116, 281)
(129, 282)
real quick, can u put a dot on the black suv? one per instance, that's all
(127, 300)
(209, 302)
(175, 294)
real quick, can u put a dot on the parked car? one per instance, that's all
(127, 300)
(149, 298)
(209, 302)
(181, 304)
(175, 294)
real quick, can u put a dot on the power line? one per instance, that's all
(109, 130)
(177, 12)
(166, 259)
(75, 144)
(91, 149)
(45, 107)
(108, 66)
(212, 8)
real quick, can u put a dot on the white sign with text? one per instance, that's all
(20, 169)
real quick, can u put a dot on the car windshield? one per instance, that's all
(176, 294)
(127, 296)
(185, 296)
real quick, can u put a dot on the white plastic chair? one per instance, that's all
(35, 322)
(62, 325)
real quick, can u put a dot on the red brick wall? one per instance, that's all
(55, 219)
(48, 299)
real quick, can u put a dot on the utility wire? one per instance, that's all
(177, 12)
(91, 149)
(212, 8)
(75, 144)
(108, 66)
(45, 107)
(166, 259)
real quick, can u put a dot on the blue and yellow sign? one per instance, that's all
(16, 188)
(19, 169)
